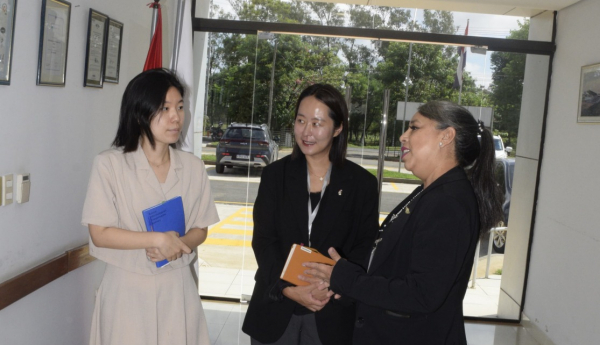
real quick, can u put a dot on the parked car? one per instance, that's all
(504, 171)
(246, 145)
(216, 132)
(501, 151)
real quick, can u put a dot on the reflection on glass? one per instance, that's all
(256, 80)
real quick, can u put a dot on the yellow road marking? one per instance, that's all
(231, 232)
(241, 222)
(394, 185)
(242, 212)
(225, 242)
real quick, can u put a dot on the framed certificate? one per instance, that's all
(113, 51)
(96, 49)
(54, 43)
(589, 95)
(8, 10)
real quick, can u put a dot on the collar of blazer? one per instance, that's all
(336, 194)
(394, 230)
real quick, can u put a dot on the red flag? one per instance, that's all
(154, 58)
(462, 62)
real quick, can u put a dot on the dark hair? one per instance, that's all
(476, 156)
(144, 96)
(338, 112)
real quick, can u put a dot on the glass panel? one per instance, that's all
(232, 143)
(242, 97)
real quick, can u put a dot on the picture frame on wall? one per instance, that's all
(95, 53)
(114, 41)
(54, 43)
(589, 95)
(8, 10)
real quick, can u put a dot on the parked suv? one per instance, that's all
(504, 171)
(246, 145)
(501, 151)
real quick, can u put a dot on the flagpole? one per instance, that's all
(154, 18)
(459, 93)
(177, 36)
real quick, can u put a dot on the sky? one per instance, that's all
(478, 65)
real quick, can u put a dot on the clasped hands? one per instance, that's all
(316, 295)
(170, 247)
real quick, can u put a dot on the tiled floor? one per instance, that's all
(225, 323)
(481, 301)
(225, 318)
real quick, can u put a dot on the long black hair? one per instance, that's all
(475, 155)
(144, 96)
(338, 112)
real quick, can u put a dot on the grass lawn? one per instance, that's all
(393, 174)
(210, 158)
(386, 173)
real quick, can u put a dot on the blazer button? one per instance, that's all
(359, 322)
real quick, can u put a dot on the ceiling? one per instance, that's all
(519, 8)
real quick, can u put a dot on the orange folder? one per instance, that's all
(299, 255)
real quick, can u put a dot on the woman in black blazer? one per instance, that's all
(342, 198)
(412, 290)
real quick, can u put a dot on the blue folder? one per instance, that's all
(166, 216)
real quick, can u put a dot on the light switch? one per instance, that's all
(23, 185)
(7, 189)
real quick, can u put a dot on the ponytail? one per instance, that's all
(489, 196)
(477, 157)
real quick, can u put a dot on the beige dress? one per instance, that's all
(138, 303)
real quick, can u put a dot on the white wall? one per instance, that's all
(562, 294)
(53, 133)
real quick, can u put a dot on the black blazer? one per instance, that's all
(347, 220)
(414, 288)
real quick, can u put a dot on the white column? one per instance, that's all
(526, 166)
(200, 63)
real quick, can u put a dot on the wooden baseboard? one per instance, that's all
(25, 283)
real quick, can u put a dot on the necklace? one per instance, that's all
(320, 177)
(395, 215)
(165, 161)
(159, 165)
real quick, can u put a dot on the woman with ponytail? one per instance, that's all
(413, 288)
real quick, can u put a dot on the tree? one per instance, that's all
(507, 86)
(241, 65)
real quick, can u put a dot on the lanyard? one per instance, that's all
(386, 223)
(313, 213)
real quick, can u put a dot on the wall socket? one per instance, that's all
(6, 192)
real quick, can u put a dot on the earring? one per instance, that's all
(441, 144)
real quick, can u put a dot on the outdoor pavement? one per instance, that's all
(227, 264)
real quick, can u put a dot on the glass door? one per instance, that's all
(254, 83)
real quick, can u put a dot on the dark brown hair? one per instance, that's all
(143, 98)
(476, 156)
(338, 112)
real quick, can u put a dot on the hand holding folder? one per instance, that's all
(299, 255)
(166, 216)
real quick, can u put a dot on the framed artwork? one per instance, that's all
(589, 95)
(113, 51)
(95, 53)
(54, 43)
(8, 10)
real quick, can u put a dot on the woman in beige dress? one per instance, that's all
(138, 303)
